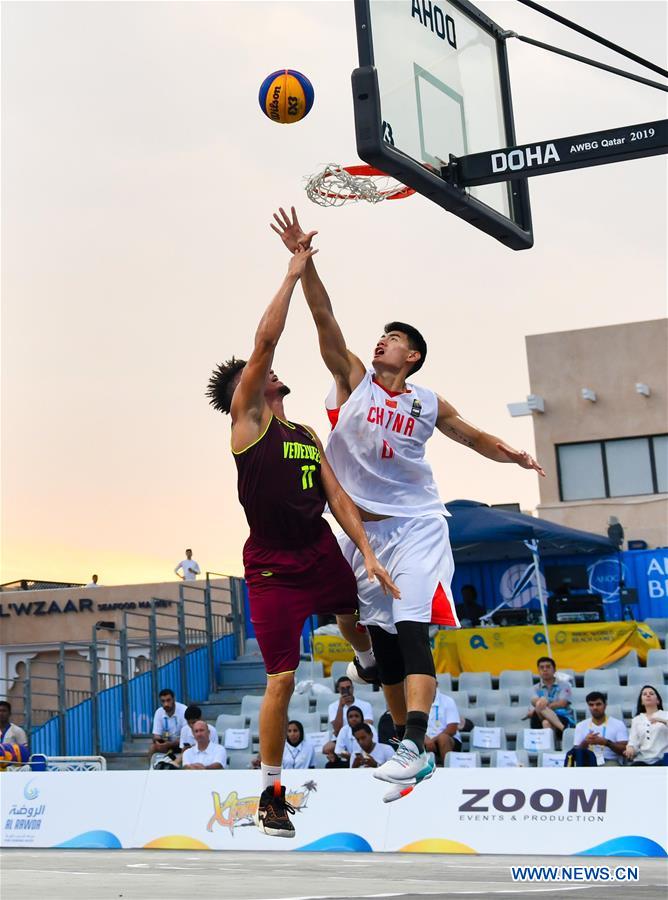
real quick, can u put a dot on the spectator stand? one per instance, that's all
(98, 696)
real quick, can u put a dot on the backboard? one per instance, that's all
(433, 82)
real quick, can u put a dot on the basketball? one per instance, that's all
(286, 96)
(11, 754)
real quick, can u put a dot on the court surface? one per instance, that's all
(173, 875)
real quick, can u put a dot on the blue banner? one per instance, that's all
(644, 570)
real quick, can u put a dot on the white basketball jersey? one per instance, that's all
(376, 449)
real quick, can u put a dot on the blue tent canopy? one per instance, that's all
(480, 533)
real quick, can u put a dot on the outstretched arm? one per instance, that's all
(249, 410)
(346, 368)
(451, 424)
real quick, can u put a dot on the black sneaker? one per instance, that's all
(360, 675)
(272, 812)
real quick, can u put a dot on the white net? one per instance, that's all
(336, 185)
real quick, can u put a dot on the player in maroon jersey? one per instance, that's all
(293, 564)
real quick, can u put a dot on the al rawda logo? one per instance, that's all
(235, 811)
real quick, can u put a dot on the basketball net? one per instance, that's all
(337, 185)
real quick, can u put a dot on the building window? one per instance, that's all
(581, 471)
(623, 467)
(661, 462)
(629, 467)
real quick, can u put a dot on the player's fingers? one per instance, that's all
(294, 216)
(274, 228)
(286, 221)
(310, 235)
(281, 224)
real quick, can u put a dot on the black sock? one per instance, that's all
(401, 731)
(416, 728)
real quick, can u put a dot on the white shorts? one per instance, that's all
(417, 554)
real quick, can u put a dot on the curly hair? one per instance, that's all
(221, 384)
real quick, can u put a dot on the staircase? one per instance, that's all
(245, 675)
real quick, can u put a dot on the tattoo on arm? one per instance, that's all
(451, 432)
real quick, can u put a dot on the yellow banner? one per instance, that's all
(331, 648)
(577, 646)
(582, 646)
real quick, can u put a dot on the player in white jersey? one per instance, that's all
(381, 423)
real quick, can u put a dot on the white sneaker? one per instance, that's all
(407, 766)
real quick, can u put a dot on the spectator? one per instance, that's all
(648, 741)
(604, 735)
(469, 610)
(205, 754)
(298, 753)
(337, 709)
(346, 744)
(190, 567)
(168, 721)
(370, 754)
(93, 582)
(443, 727)
(186, 738)
(551, 705)
(9, 732)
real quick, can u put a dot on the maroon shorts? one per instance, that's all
(285, 587)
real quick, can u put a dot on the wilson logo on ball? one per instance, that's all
(286, 96)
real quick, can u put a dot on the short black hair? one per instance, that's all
(342, 678)
(547, 659)
(221, 384)
(596, 695)
(415, 341)
(354, 709)
(641, 706)
(363, 726)
(166, 692)
(7, 704)
(192, 712)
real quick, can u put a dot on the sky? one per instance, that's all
(138, 182)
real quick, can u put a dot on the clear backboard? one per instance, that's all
(433, 83)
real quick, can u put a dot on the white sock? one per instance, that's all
(270, 774)
(366, 658)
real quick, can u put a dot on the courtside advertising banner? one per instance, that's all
(530, 811)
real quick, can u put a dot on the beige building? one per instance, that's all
(603, 434)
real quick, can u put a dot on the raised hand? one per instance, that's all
(290, 232)
(299, 259)
(521, 457)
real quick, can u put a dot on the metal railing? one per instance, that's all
(91, 697)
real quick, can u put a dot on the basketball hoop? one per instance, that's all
(336, 185)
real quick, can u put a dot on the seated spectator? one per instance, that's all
(345, 744)
(551, 705)
(334, 761)
(298, 752)
(10, 733)
(648, 740)
(604, 735)
(194, 714)
(168, 721)
(443, 727)
(469, 610)
(337, 709)
(370, 754)
(205, 754)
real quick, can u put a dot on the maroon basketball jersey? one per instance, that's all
(280, 487)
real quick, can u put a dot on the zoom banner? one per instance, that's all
(541, 811)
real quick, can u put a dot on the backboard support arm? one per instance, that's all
(596, 148)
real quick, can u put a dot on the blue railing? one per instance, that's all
(79, 730)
